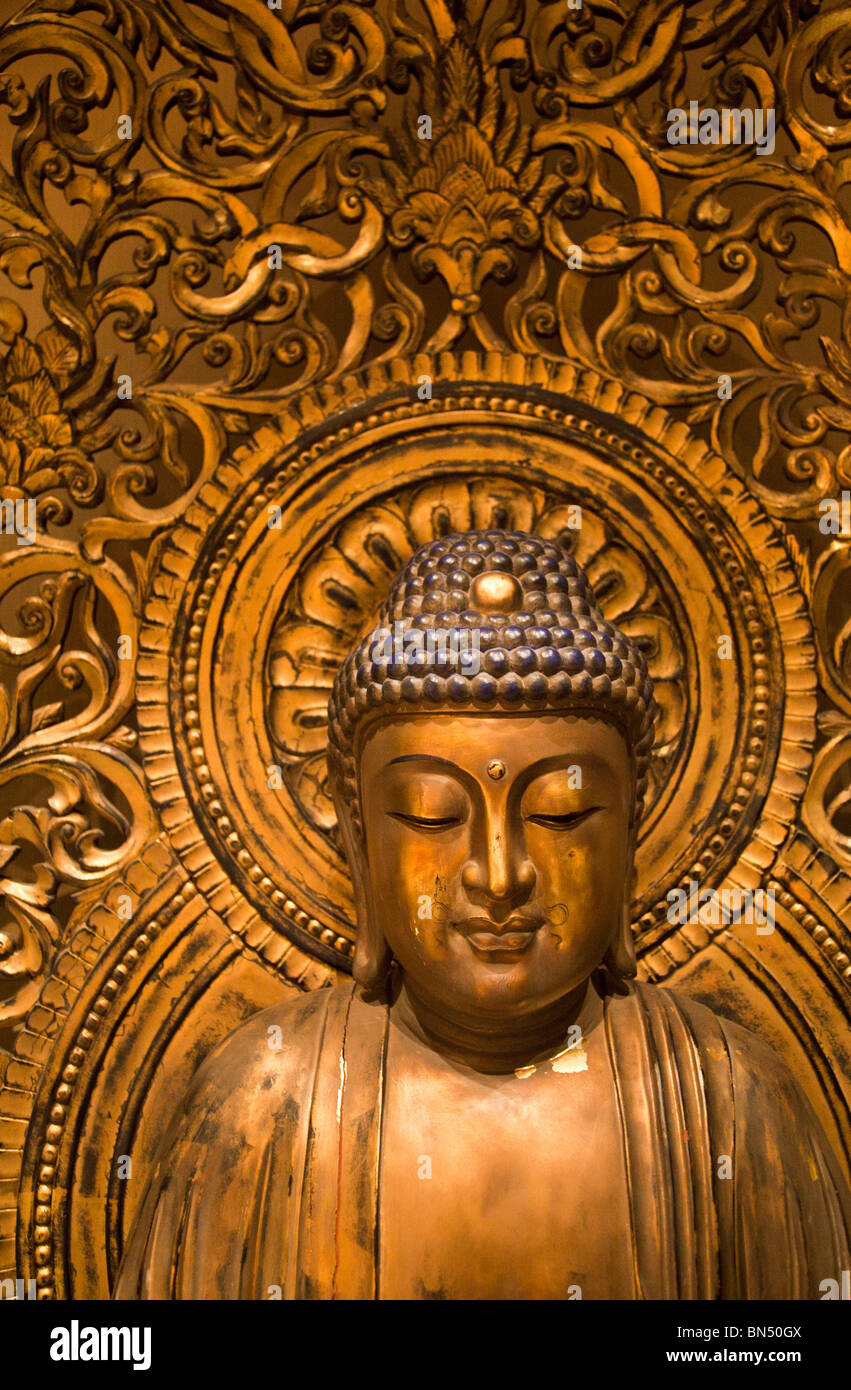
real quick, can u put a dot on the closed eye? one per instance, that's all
(565, 822)
(425, 822)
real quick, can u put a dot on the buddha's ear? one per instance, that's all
(373, 959)
(619, 960)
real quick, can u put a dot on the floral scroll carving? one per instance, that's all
(547, 134)
(71, 752)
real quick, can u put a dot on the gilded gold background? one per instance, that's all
(423, 351)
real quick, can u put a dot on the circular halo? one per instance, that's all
(284, 562)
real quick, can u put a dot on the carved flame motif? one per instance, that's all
(462, 198)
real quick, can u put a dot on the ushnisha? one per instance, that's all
(544, 641)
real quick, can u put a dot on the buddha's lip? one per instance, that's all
(498, 938)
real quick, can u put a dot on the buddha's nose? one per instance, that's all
(498, 878)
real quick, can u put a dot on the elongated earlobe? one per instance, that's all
(373, 959)
(619, 961)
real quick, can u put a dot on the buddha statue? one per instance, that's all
(493, 1107)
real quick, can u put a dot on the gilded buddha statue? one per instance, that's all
(494, 1107)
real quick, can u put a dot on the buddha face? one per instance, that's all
(498, 854)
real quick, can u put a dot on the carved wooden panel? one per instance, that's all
(287, 289)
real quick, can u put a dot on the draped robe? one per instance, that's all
(269, 1179)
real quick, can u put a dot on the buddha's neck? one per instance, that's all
(489, 1047)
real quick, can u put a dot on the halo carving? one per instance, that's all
(288, 553)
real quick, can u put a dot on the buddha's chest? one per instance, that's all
(503, 1187)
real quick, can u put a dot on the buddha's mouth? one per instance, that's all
(503, 941)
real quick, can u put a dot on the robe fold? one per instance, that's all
(268, 1183)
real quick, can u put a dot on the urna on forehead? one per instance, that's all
(527, 608)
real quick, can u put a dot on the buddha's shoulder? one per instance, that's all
(682, 1021)
(274, 1051)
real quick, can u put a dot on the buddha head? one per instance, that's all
(488, 751)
